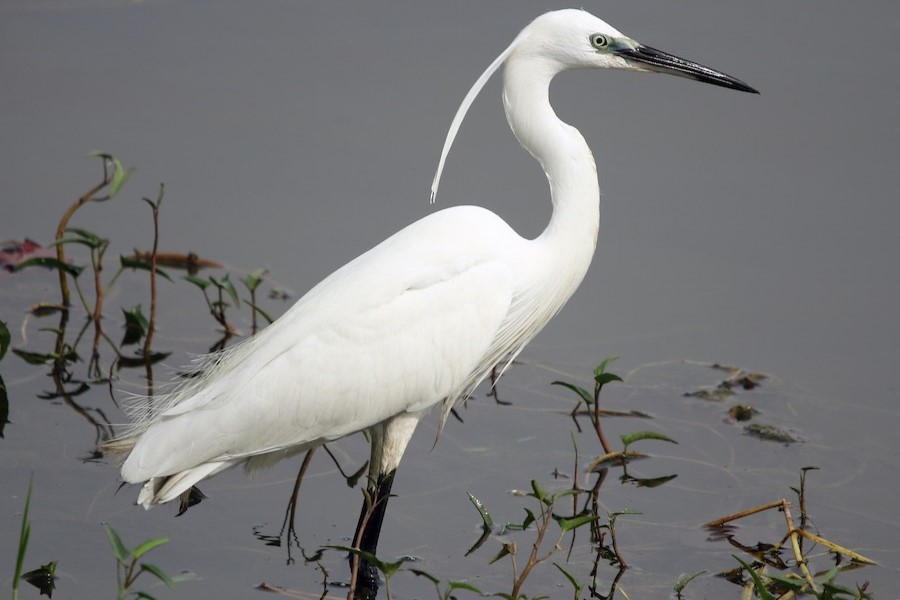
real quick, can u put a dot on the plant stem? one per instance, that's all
(64, 222)
(603, 441)
(151, 328)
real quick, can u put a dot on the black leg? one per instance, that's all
(368, 529)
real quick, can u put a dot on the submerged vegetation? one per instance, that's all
(565, 531)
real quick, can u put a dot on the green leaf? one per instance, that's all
(630, 438)
(539, 492)
(792, 581)
(198, 281)
(563, 493)
(485, 534)
(155, 204)
(145, 595)
(604, 378)
(624, 511)
(52, 263)
(42, 578)
(83, 237)
(4, 407)
(119, 549)
(575, 583)
(601, 368)
(426, 575)
(686, 579)
(119, 177)
(24, 535)
(488, 522)
(148, 546)
(66, 393)
(85, 233)
(652, 482)
(387, 568)
(154, 570)
(614, 459)
(232, 292)
(828, 577)
(130, 262)
(505, 550)
(601, 377)
(254, 278)
(264, 314)
(575, 522)
(462, 585)
(583, 393)
(4, 339)
(761, 590)
(136, 325)
(34, 358)
(529, 519)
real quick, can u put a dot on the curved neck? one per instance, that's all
(564, 156)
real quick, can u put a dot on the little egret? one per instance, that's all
(419, 320)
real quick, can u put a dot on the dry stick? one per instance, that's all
(836, 547)
(745, 513)
(793, 534)
(747, 590)
(798, 554)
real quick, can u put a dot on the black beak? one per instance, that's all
(663, 62)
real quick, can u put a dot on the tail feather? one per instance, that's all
(160, 490)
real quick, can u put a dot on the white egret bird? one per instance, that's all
(417, 321)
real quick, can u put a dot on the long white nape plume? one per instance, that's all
(464, 108)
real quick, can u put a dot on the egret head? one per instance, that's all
(573, 39)
(577, 39)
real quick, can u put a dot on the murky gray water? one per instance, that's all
(757, 231)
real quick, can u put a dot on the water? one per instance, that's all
(756, 231)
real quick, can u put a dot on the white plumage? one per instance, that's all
(418, 320)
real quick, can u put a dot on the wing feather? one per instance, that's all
(401, 328)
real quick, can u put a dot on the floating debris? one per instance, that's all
(714, 394)
(741, 412)
(13, 252)
(770, 433)
(737, 378)
(189, 262)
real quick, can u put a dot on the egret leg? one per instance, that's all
(389, 439)
(368, 530)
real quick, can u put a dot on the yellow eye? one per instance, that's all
(599, 41)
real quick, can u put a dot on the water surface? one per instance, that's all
(756, 231)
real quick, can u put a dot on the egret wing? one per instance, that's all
(397, 330)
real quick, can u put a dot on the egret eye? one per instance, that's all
(599, 41)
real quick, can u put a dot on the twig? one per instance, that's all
(745, 513)
(151, 328)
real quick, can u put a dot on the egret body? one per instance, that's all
(417, 321)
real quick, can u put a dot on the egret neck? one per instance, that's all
(571, 235)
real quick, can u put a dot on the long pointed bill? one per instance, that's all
(663, 62)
